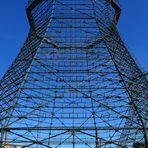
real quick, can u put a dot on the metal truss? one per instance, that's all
(74, 83)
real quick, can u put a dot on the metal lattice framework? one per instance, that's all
(74, 83)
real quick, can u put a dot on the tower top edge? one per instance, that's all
(114, 3)
(31, 1)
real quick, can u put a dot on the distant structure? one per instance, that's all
(11, 146)
(74, 83)
(139, 145)
(7, 145)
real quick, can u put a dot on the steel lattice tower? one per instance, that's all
(74, 84)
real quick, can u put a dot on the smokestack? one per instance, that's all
(6, 138)
(97, 142)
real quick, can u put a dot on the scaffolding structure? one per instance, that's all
(74, 83)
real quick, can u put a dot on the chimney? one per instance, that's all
(6, 138)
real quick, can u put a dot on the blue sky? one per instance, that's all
(14, 28)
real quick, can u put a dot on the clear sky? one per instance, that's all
(14, 28)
